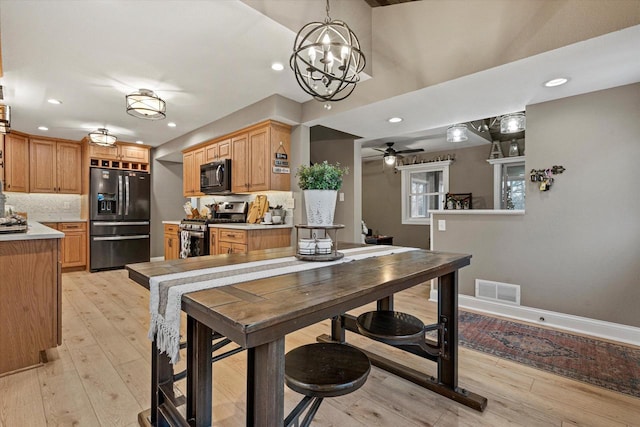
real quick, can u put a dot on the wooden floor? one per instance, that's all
(100, 375)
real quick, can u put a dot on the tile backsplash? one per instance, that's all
(284, 198)
(45, 207)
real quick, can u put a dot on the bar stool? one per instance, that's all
(397, 328)
(322, 370)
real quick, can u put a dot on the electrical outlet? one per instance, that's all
(442, 225)
(65, 205)
(290, 203)
(342, 197)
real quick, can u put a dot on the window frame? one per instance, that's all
(405, 188)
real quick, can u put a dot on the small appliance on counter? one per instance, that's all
(194, 233)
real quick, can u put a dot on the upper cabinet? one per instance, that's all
(16, 162)
(119, 156)
(55, 166)
(253, 156)
(253, 152)
(191, 172)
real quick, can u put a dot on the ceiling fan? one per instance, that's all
(390, 154)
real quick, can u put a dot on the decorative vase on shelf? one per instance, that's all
(320, 206)
(513, 149)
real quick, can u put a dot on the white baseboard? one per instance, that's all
(568, 322)
(157, 258)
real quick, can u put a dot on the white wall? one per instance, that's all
(577, 248)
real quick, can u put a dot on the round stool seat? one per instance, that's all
(326, 369)
(392, 327)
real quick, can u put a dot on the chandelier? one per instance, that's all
(102, 137)
(145, 104)
(512, 123)
(457, 133)
(327, 60)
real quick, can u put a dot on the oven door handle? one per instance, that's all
(199, 234)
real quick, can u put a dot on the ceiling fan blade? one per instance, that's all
(412, 150)
(380, 150)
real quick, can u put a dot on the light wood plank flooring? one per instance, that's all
(100, 375)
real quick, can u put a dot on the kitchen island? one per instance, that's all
(257, 315)
(30, 296)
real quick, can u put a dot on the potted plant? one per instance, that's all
(320, 183)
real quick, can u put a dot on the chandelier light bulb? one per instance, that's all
(512, 123)
(390, 160)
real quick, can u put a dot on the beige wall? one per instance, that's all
(577, 248)
(166, 200)
(381, 198)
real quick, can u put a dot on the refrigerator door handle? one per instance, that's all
(126, 205)
(132, 237)
(120, 195)
(112, 223)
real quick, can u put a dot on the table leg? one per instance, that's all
(448, 317)
(265, 384)
(161, 373)
(199, 373)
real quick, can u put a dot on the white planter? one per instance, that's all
(320, 205)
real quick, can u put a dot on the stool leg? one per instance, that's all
(292, 418)
(312, 412)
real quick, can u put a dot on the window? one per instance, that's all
(424, 187)
(508, 183)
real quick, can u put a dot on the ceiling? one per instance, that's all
(208, 59)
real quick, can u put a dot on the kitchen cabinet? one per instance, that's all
(218, 151)
(171, 241)
(120, 156)
(30, 301)
(253, 155)
(242, 241)
(73, 246)
(213, 241)
(16, 162)
(55, 166)
(192, 161)
(133, 153)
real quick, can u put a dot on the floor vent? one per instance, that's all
(496, 291)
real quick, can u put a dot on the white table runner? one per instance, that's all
(166, 291)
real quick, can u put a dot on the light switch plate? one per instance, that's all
(341, 197)
(442, 225)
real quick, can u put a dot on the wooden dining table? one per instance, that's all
(257, 315)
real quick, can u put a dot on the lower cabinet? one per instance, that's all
(213, 241)
(73, 247)
(171, 241)
(242, 241)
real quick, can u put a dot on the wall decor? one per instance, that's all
(458, 201)
(545, 176)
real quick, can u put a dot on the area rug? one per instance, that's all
(612, 366)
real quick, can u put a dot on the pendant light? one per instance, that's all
(327, 59)
(102, 137)
(457, 133)
(145, 104)
(512, 123)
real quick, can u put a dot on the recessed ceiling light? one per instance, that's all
(395, 119)
(43, 128)
(277, 66)
(556, 82)
(54, 101)
(139, 142)
(171, 124)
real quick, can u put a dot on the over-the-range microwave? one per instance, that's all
(215, 177)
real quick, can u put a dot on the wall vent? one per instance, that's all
(497, 291)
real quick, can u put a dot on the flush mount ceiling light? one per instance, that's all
(145, 104)
(5, 118)
(512, 123)
(327, 60)
(102, 137)
(556, 82)
(457, 133)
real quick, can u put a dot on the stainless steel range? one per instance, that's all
(194, 233)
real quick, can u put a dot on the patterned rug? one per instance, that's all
(612, 366)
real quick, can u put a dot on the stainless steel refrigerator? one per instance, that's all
(119, 218)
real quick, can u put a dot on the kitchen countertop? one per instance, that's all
(171, 222)
(237, 226)
(56, 219)
(35, 231)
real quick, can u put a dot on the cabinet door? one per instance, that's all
(74, 244)
(100, 152)
(171, 247)
(240, 163)
(213, 241)
(198, 160)
(69, 167)
(211, 153)
(187, 174)
(225, 247)
(42, 162)
(224, 149)
(131, 153)
(259, 167)
(16, 163)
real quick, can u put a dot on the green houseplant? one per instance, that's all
(320, 183)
